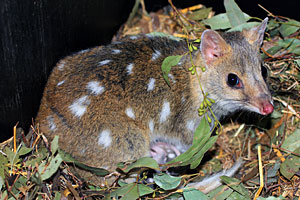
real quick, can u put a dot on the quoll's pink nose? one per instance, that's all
(267, 108)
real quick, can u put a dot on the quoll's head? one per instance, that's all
(235, 75)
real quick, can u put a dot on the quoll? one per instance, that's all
(111, 103)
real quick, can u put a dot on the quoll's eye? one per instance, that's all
(234, 81)
(264, 72)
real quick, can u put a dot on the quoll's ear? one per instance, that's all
(255, 36)
(213, 46)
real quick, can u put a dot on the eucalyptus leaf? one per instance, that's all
(234, 13)
(161, 34)
(69, 159)
(244, 26)
(51, 168)
(143, 162)
(289, 28)
(201, 136)
(272, 172)
(292, 142)
(1, 183)
(3, 166)
(54, 145)
(194, 194)
(166, 181)
(57, 195)
(221, 21)
(236, 185)
(291, 165)
(200, 14)
(131, 191)
(167, 64)
(198, 157)
(237, 196)
(127, 192)
(220, 193)
(24, 150)
(11, 156)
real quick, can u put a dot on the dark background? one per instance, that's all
(35, 34)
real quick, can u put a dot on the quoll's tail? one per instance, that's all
(214, 181)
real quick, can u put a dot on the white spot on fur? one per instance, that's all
(190, 125)
(105, 167)
(129, 68)
(83, 51)
(79, 106)
(165, 111)
(182, 99)
(60, 83)
(104, 138)
(116, 51)
(172, 78)
(51, 123)
(61, 65)
(95, 88)
(129, 112)
(104, 62)
(151, 84)
(156, 54)
(151, 125)
(83, 151)
(133, 37)
(171, 156)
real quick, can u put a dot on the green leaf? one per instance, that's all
(236, 185)
(166, 181)
(200, 14)
(161, 34)
(234, 13)
(57, 195)
(221, 21)
(51, 168)
(1, 183)
(237, 196)
(276, 115)
(143, 162)
(244, 26)
(193, 154)
(54, 145)
(292, 142)
(272, 172)
(23, 150)
(37, 157)
(131, 191)
(69, 159)
(127, 192)
(298, 62)
(11, 156)
(144, 190)
(289, 28)
(193, 194)
(291, 165)
(198, 157)
(169, 62)
(220, 193)
(3, 166)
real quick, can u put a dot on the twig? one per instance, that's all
(261, 175)
(271, 14)
(15, 137)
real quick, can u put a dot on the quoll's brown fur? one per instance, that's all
(111, 103)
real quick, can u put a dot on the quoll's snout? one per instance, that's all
(266, 108)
